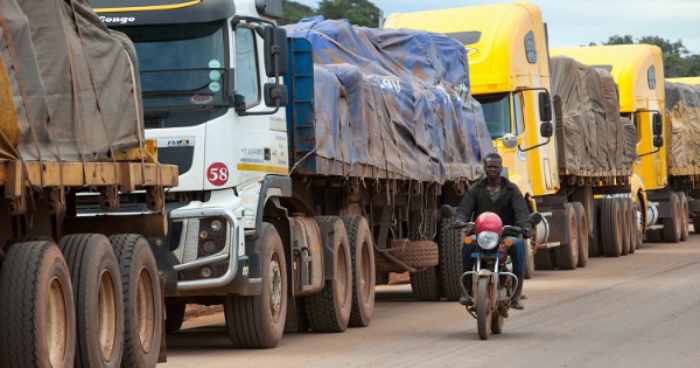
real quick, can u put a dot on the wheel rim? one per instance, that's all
(145, 310)
(56, 323)
(342, 276)
(365, 274)
(107, 315)
(275, 287)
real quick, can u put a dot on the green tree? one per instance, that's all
(358, 12)
(294, 12)
(678, 61)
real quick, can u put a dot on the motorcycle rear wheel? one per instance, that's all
(483, 308)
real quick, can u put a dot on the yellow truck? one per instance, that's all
(510, 76)
(639, 73)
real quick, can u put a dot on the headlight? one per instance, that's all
(487, 240)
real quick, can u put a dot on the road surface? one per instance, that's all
(641, 310)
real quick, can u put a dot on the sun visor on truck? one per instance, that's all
(139, 12)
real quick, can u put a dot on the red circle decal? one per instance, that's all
(217, 174)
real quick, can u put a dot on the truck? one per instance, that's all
(639, 73)
(308, 164)
(79, 282)
(586, 205)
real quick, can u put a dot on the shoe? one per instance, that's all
(523, 297)
(515, 304)
(465, 301)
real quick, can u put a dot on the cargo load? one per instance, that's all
(595, 140)
(683, 112)
(389, 104)
(68, 85)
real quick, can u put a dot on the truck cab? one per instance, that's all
(509, 69)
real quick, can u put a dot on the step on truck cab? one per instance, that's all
(287, 193)
(639, 73)
(511, 77)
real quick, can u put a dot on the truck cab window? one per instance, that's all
(518, 113)
(496, 113)
(247, 76)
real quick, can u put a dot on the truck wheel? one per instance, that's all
(529, 260)
(329, 310)
(37, 313)
(363, 270)
(174, 317)
(544, 259)
(684, 216)
(626, 226)
(143, 301)
(583, 234)
(638, 226)
(450, 253)
(258, 321)
(426, 285)
(594, 240)
(567, 252)
(98, 299)
(672, 225)
(611, 227)
(632, 224)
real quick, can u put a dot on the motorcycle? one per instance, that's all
(488, 297)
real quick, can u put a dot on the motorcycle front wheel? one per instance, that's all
(483, 308)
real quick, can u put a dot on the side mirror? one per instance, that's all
(536, 218)
(509, 140)
(658, 141)
(546, 129)
(545, 106)
(276, 51)
(275, 95)
(657, 124)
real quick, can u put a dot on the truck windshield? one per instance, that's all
(496, 113)
(182, 66)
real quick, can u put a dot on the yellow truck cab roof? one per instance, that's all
(506, 42)
(637, 70)
(693, 81)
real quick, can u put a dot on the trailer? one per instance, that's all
(311, 159)
(79, 284)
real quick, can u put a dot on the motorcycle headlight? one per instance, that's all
(487, 240)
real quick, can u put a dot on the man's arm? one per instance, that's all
(522, 213)
(466, 207)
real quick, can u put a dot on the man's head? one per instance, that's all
(493, 165)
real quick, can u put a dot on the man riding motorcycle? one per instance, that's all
(497, 194)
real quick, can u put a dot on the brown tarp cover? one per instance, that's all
(73, 83)
(593, 139)
(683, 111)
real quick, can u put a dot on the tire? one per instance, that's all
(626, 226)
(174, 317)
(363, 270)
(529, 260)
(672, 225)
(417, 254)
(450, 267)
(483, 308)
(98, 299)
(685, 225)
(610, 219)
(567, 252)
(638, 226)
(426, 285)
(258, 321)
(583, 234)
(36, 294)
(329, 310)
(143, 300)
(595, 242)
(544, 259)
(381, 278)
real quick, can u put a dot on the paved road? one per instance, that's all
(641, 310)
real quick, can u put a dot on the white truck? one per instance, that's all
(281, 235)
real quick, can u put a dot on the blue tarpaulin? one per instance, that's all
(396, 101)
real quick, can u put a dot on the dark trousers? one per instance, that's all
(517, 254)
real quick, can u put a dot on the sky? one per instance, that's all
(578, 22)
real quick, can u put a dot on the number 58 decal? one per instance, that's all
(217, 174)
